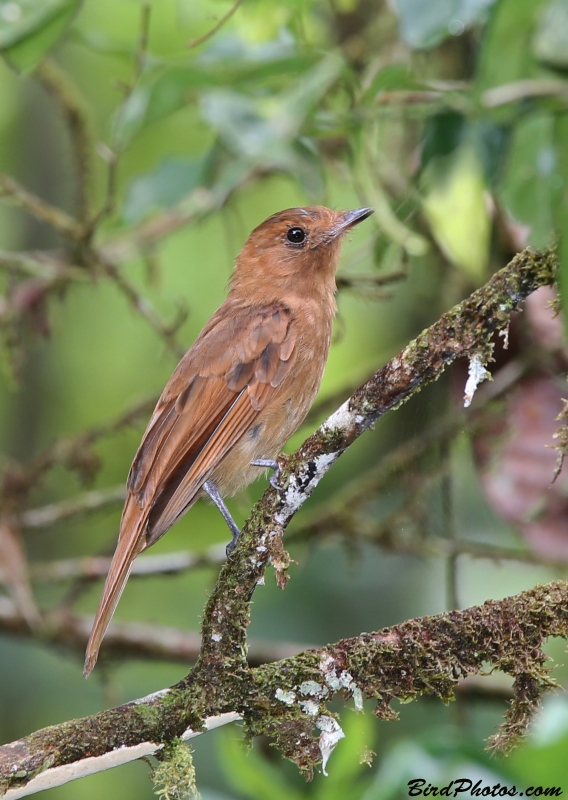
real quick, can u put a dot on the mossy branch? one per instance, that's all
(287, 699)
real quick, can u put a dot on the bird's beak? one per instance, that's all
(348, 219)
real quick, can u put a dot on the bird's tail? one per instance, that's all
(131, 542)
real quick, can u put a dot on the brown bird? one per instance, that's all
(240, 392)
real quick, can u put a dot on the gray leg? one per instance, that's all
(274, 465)
(213, 493)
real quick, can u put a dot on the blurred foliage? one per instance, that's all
(450, 118)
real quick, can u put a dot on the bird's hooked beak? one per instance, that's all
(348, 219)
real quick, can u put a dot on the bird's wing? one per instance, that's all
(214, 396)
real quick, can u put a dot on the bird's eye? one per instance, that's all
(296, 235)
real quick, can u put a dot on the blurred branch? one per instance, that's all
(215, 28)
(143, 306)
(83, 504)
(75, 453)
(200, 204)
(40, 264)
(111, 154)
(288, 699)
(362, 283)
(97, 566)
(66, 95)
(521, 90)
(128, 640)
(38, 208)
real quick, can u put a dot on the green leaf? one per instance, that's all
(551, 37)
(443, 133)
(231, 62)
(251, 775)
(456, 207)
(542, 759)
(163, 187)
(29, 29)
(263, 129)
(506, 54)
(528, 183)
(424, 25)
(393, 78)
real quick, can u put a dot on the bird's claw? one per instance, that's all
(273, 465)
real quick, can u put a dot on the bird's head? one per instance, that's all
(297, 245)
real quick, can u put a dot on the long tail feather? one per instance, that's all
(129, 546)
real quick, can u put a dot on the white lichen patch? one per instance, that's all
(327, 664)
(342, 681)
(357, 695)
(314, 689)
(303, 484)
(309, 707)
(331, 733)
(343, 418)
(285, 697)
(216, 637)
(260, 581)
(477, 374)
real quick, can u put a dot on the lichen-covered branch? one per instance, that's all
(288, 699)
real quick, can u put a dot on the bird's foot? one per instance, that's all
(213, 493)
(274, 479)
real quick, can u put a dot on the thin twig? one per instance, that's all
(66, 95)
(449, 528)
(357, 281)
(215, 28)
(82, 504)
(38, 208)
(40, 264)
(71, 451)
(97, 566)
(202, 203)
(143, 306)
(111, 154)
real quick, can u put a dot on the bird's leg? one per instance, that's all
(271, 464)
(213, 493)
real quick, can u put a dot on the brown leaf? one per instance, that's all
(29, 299)
(547, 326)
(517, 464)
